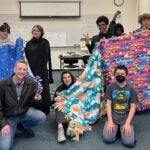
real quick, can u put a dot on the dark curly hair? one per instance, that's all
(102, 19)
(5, 28)
(118, 26)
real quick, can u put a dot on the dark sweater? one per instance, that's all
(38, 54)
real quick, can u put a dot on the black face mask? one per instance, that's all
(120, 78)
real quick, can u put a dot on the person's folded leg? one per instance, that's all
(128, 141)
(109, 137)
(32, 117)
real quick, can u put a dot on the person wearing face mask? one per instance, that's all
(67, 80)
(121, 99)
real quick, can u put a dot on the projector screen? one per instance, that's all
(49, 9)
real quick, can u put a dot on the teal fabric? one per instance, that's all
(81, 102)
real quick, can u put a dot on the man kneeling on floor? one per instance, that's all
(16, 96)
(121, 104)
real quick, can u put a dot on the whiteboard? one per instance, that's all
(61, 32)
(49, 9)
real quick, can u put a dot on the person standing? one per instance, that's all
(38, 55)
(121, 99)
(4, 34)
(144, 21)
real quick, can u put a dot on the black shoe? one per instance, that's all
(26, 131)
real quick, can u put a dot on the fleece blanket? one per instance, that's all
(132, 50)
(9, 54)
(81, 102)
(84, 100)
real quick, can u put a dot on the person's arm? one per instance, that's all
(87, 42)
(131, 113)
(112, 24)
(108, 97)
(127, 125)
(110, 124)
(3, 120)
(133, 102)
(109, 110)
(116, 15)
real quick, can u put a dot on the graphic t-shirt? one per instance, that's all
(121, 99)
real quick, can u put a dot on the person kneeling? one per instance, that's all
(121, 101)
(16, 95)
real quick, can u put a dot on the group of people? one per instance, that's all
(22, 105)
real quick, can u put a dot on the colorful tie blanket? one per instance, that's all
(9, 54)
(81, 102)
(132, 50)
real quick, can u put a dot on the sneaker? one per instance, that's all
(26, 131)
(61, 136)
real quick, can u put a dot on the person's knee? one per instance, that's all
(5, 147)
(129, 143)
(41, 118)
(108, 138)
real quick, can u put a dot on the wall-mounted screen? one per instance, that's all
(49, 9)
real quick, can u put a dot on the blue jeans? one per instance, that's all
(29, 119)
(126, 140)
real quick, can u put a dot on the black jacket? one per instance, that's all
(9, 105)
(38, 55)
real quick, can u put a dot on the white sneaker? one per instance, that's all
(61, 136)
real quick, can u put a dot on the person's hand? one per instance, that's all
(58, 99)
(87, 39)
(5, 130)
(118, 13)
(110, 127)
(127, 129)
(38, 96)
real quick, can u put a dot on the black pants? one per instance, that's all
(44, 105)
(60, 117)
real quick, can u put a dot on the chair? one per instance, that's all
(71, 64)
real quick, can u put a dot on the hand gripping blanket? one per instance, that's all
(132, 50)
(81, 102)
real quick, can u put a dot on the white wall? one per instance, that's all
(144, 6)
(130, 11)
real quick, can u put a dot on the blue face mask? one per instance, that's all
(120, 78)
